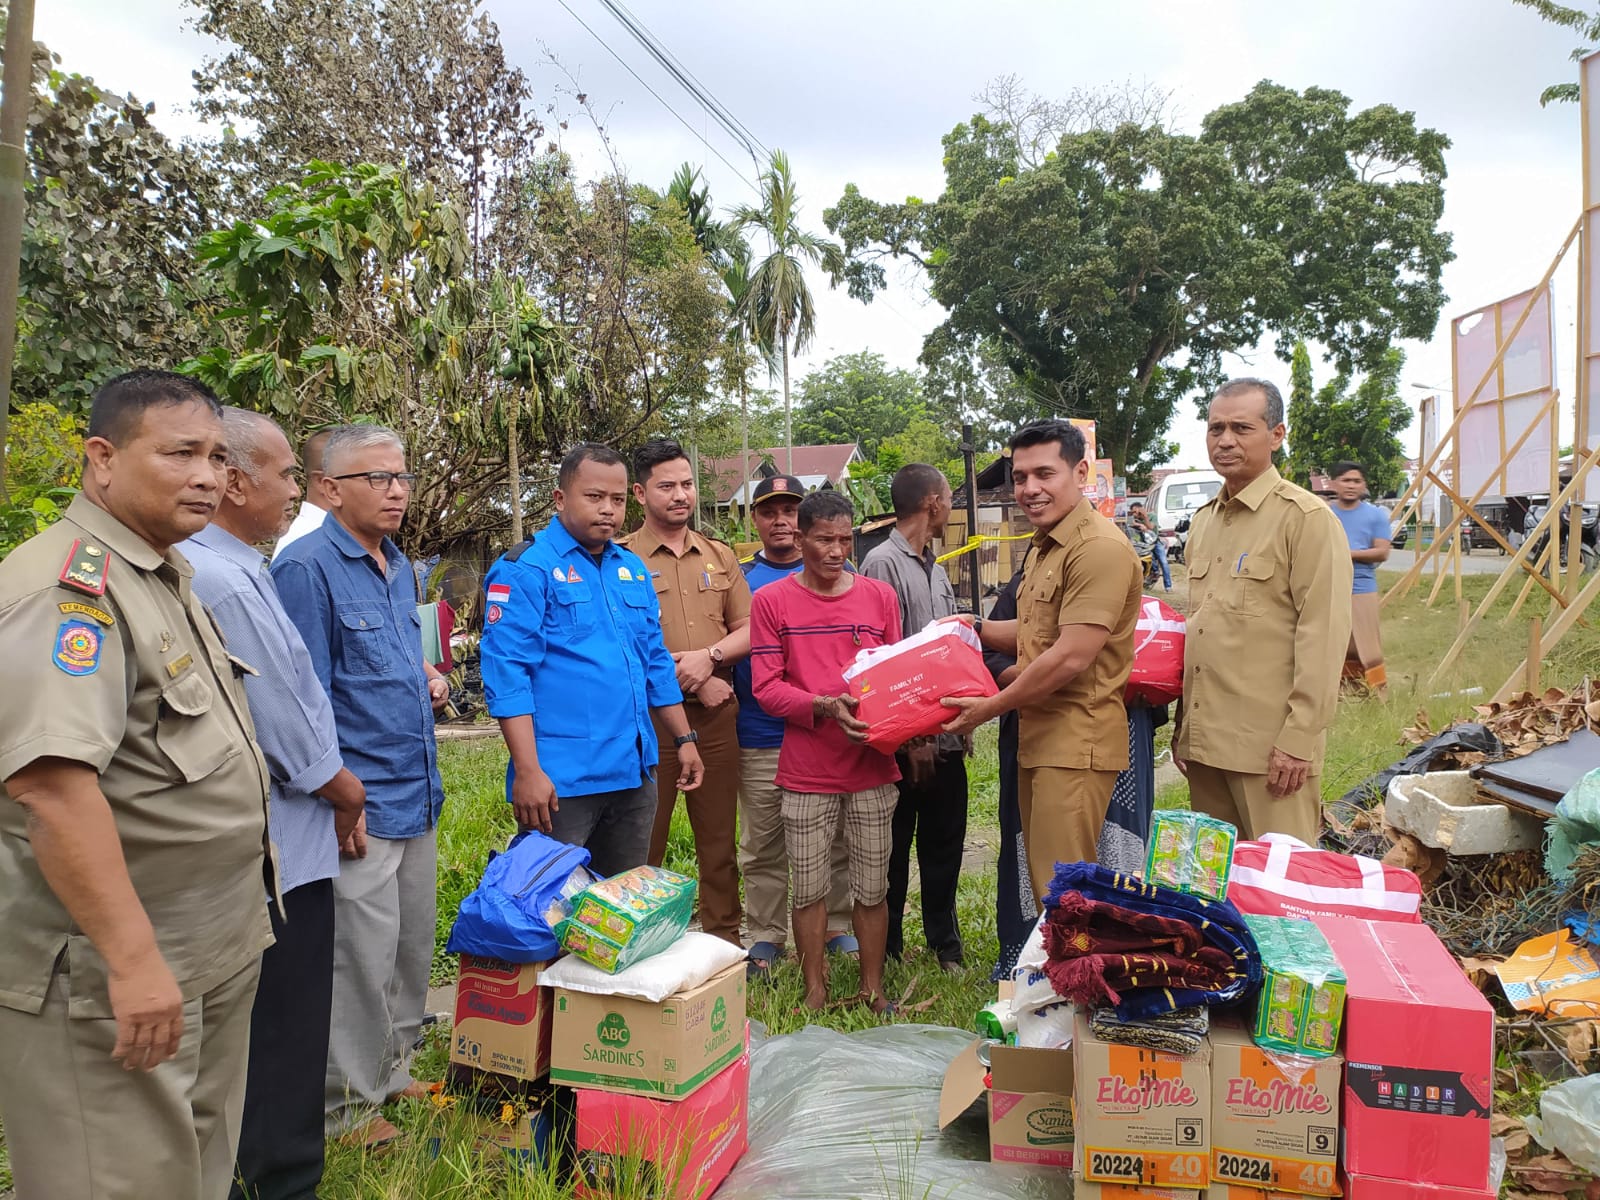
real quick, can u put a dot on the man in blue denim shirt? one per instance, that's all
(353, 596)
(572, 662)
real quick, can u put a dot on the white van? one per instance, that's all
(1180, 495)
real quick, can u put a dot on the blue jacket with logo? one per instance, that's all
(576, 644)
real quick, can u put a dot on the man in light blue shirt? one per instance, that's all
(573, 662)
(1366, 528)
(353, 596)
(316, 805)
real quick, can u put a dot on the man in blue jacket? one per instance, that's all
(573, 662)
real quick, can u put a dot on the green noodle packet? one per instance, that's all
(622, 920)
(1190, 852)
(1301, 1007)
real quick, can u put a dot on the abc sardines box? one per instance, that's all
(666, 1050)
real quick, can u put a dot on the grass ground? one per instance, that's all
(1364, 738)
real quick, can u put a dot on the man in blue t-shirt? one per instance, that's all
(763, 859)
(1366, 527)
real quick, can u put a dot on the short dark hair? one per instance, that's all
(1268, 389)
(1064, 434)
(653, 454)
(1344, 468)
(314, 451)
(119, 404)
(586, 452)
(825, 506)
(912, 485)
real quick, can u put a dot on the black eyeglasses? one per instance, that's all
(379, 481)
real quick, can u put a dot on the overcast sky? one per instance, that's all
(862, 92)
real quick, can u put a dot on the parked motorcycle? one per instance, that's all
(1180, 539)
(1144, 542)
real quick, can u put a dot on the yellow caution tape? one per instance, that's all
(972, 543)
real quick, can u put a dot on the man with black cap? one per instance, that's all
(763, 860)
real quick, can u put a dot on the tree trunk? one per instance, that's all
(13, 172)
(788, 427)
(514, 472)
(744, 448)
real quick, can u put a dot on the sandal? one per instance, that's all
(762, 956)
(843, 943)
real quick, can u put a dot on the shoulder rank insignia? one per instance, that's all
(85, 569)
(518, 550)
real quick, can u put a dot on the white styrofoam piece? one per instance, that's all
(1443, 809)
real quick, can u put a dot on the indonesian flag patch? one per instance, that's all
(499, 593)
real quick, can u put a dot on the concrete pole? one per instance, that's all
(14, 104)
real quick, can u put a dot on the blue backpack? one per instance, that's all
(503, 917)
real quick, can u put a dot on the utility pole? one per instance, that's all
(969, 452)
(14, 103)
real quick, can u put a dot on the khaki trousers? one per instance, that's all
(764, 858)
(79, 1127)
(1244, 802)
(713, 811)
(1062, 810)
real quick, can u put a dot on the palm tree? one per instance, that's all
(777, 307)
(740, 340)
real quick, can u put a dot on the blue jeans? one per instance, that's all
(1159, 553)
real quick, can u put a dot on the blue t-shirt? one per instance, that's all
(1363, 525)
(757, 729)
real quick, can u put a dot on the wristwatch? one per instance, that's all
(977, 625)
(716, 655)
(679, 741)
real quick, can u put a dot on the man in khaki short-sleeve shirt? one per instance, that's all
(125, 734)
(1077, 609)
(1268, 626)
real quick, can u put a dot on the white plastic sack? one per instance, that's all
(1569, 1121)
(687, 963)
(1047, 1028)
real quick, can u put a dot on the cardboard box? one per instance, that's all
(1360, 1187)
(1419, 1057)
(1141, 1116)
(1029, 1101)
(524, 1138)
(619, 1044)
(682, 1148)
(502, 1018)
(1082, 1189)
(1273, 1127)
(1234, 1191)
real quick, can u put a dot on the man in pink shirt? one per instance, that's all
(804, 631)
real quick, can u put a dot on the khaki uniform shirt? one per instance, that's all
(703, 592)
(136, 684)
(1082, 572)
(1269, 622)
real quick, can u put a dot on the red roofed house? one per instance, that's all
(815, 466)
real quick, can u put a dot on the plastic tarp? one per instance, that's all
(836, 1116)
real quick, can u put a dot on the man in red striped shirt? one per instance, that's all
(804, 631)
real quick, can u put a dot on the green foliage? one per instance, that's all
(1113, 276)
(1361, 424)
(1585, 25)
(859, 398)
(44, 450)
(106, 281)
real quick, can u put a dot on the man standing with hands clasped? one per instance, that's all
(1366, 529)
(574, 668)
(705, 623)
(1269, 623)
(1073, 641)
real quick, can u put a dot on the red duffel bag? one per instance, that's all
(1157, 675)
(899, 687)
(1281, 876)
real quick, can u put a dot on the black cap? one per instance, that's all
(778, 485)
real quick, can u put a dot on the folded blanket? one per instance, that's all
(1179, 1032)
(1143, 948)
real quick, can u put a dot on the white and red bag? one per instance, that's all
(1157, 675)
(899, 687)
(1281, 876)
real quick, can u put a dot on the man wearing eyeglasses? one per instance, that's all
(353, 597)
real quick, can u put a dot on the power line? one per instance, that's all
(654, 93)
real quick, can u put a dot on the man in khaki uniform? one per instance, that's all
(133, 889)
(1269, 621)
(1073, 641)
(705, 622)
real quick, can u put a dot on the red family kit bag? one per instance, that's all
(1281, 876)
(899, 687)
(1157, 675)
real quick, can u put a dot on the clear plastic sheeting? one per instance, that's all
(837, 1116)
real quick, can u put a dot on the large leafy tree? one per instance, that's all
(857, 398)
(1114, 276)
(1361, 423)
(778, 306)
